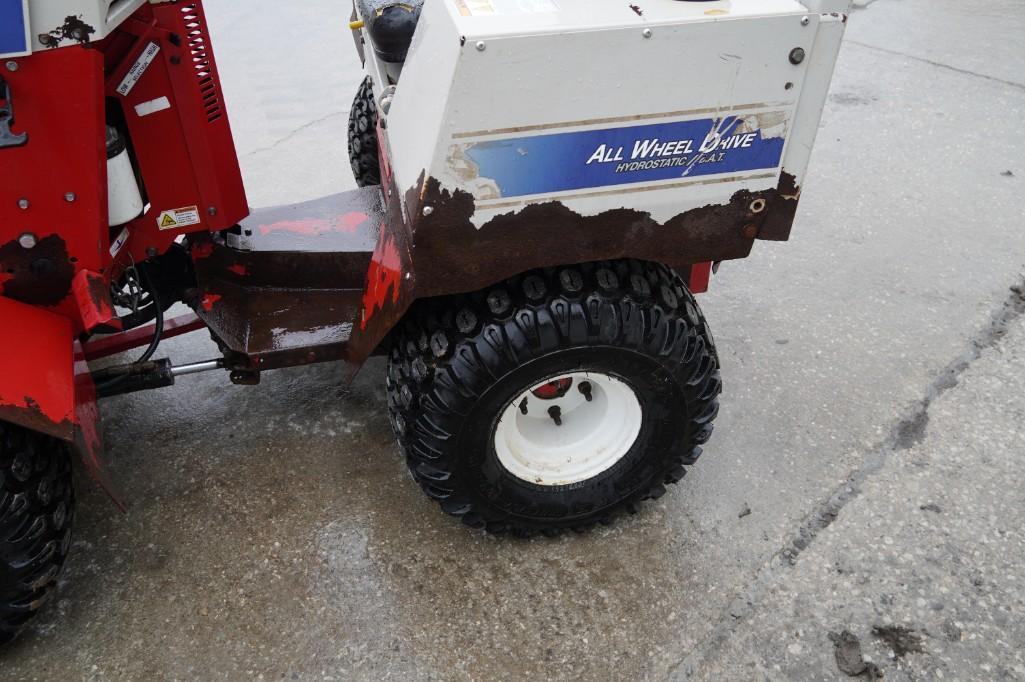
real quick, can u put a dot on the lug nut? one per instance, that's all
(585, 388)
(28, 241)
(555, 412)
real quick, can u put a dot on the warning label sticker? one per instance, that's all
(138, 68)
(486, 8)
(179, 217)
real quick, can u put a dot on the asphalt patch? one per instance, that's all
(901, 640)
(849, 658)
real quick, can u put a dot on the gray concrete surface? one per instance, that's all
(871, 369)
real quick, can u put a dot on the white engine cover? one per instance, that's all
(661, 106)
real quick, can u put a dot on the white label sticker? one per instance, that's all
(119, 243)
(138, 68)
(179, 217)
(152, 106)
(487, 8)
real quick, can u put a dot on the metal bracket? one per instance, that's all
(8, 138)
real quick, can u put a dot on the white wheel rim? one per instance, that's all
(593, 437)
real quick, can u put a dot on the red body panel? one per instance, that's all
(37, 387)
(185, 151)
(58, 97)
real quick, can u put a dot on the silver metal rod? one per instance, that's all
(197, 367)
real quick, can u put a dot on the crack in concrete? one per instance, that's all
(905, 434)
(941, 65)
(294, 133)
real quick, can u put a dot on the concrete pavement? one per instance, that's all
(274, 532)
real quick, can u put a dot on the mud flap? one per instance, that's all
(45, 385)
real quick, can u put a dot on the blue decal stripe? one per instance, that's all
(562, 162)
(12, 27)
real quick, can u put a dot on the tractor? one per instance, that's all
(544, 187)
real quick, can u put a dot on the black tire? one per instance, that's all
(363, 153)
(459, 362)
(36, 513)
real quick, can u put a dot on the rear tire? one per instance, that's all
(473, 380)
(36, 511)
(363, 152)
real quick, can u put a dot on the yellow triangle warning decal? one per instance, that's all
(168, 221)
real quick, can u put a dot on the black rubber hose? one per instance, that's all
(158, 332)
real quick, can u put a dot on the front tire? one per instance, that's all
(36, 510)
(363, 150)
(556, 399)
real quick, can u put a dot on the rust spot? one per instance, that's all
(39, 276)
(29, 415)
(779, 218)
(551, 234)
(73, 29)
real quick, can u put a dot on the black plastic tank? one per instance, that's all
(391, 26)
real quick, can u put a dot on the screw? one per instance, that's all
(585, 388)
(555, 412)
(27, 241)
(12, 66)
(212, 210)
(797, 55)
(646, 33)
(805, 21)
(23, 204)
(481, 46)
(523, 406)
(788, 86)
(70, 197)
(428, 210)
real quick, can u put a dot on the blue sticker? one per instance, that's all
(13, 31)
(600, 158)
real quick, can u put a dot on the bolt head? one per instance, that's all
(212, 210)
(70, 197)
(428, 210)
(646, 33)
(28, 241)
(805, 21)
(23, 204)
(797, 55)
(12, 66)
(481, 46)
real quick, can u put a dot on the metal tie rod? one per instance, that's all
(196, 368)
